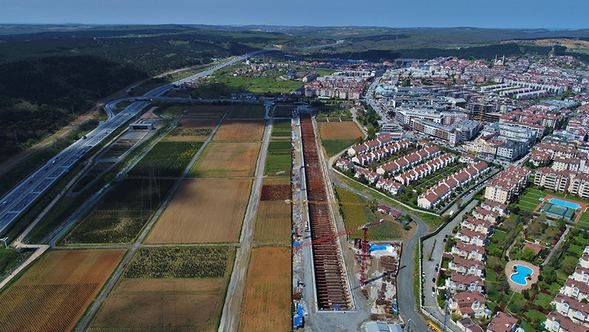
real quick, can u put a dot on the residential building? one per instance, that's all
(471, 304)
(502, 322)
(507, 184)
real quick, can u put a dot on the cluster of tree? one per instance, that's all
(38, 97)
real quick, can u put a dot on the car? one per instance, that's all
(434, 279)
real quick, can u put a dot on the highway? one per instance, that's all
(22, 196)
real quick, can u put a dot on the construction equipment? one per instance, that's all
(364, 254)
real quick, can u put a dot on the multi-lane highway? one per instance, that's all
(21, 197)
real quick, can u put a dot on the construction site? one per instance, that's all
(331, 282)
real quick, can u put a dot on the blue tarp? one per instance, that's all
(298, 319)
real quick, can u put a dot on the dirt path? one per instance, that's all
(236, 287)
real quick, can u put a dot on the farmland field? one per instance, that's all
(121, 214)
(345, 130)
(172, 294)
(55, 291)
(179, 262)
(227, 160)
(240, 131)
(281, 129)
(267, 296)
(273, 222)
(166, 159)
(283, 110)
(192, 129)
(204, 211)
(279, 159)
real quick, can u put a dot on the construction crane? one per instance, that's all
(364, 255)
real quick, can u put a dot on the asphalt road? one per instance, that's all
(19, 199)
(434, 246)
(406, 277)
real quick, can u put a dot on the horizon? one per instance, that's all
(80, 24)
(501, 14)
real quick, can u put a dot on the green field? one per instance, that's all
(122, 213)
(166, 159)
(180, 262)
(273, 82)
(279, 158)
(332, 147)
(10, 258)
(281, 129)
(356, 213)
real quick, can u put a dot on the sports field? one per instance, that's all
(54, 293)
(151, 297)
(273, 223)
(240, 131)
(227, 160)
(345, 130)
(204, 211)
(267, 297)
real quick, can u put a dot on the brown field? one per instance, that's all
(245, 111)
(163, 304)
(339, 130)
(240, 131)
(275, 192)
(273, 222)
(204, 211)
(192, 130)
(267, 296)
(55, 291)
(227, 160)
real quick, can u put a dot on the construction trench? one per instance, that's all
(331, 283)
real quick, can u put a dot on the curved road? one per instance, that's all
(406, 277)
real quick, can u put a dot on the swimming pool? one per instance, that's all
(521, 274)
(566, 204)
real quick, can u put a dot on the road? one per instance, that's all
(434, 247)
(406, 277)
(19, 199)
(233, 299)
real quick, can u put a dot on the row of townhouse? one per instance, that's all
(425, 169)
(467, 266)
(507, 185)
(563, 181)
(466, 282)
(571, 312)
(372, 178)
(369, 157)
(443, 189)
(374, 144)
(403, 163)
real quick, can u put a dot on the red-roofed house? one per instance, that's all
(502, 322)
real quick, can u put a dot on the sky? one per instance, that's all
(561, 14)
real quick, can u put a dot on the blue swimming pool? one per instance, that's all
(566, 204)
(520, 275)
